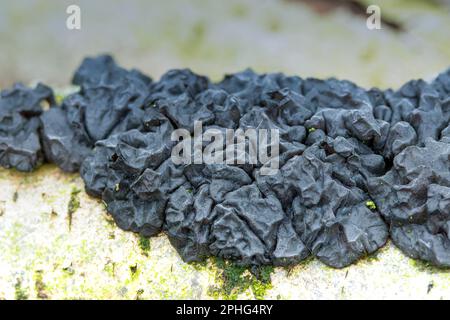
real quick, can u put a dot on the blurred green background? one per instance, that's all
(306, 38)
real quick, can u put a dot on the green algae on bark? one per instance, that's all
(231, 280)
(73, 205)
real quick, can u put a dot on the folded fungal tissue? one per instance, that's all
(356, 166)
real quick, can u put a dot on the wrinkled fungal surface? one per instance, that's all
(107, 103)
(356, 166)
(20, 108)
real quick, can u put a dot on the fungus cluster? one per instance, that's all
(356, 166)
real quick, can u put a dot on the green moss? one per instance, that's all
(20, 293)
(39, 285)
(62, 93)
(59, 98)
(232, 280)
(110, 268)
(134, 271)
(68, 271)
(262, 282)
(425, 266)
(374, 257)
(73, 205)
(15, 236)
(199, 265)
(144, 244)
(139, 294)
(371, 205)
(110, 220)
(311, 130)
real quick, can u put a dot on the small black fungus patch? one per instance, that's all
(356, 166)
(20, 108)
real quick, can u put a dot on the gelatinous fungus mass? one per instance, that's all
(356, 166)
